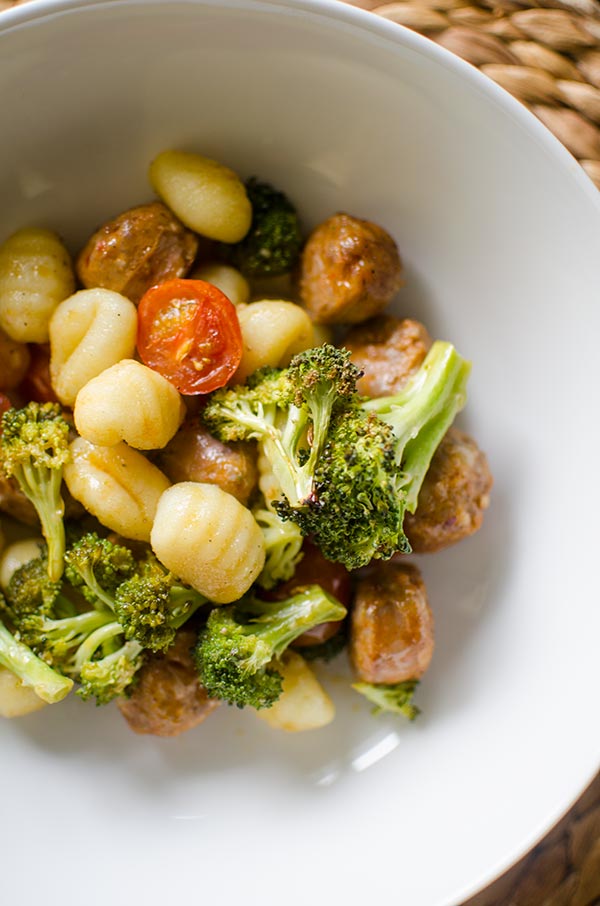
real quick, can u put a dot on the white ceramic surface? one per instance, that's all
(500, 233)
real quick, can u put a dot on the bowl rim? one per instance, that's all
(394, 34)
(386, 29)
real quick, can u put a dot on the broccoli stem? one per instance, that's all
(43, 489)
(49, 685)
(94, 641)
(279, 623)
(421, 413)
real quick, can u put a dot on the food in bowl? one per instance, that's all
(228, 485)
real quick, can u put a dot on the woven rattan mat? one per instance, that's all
(547, 54)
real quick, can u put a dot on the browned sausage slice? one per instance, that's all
(391, 630)
(453, 497)
(139, 248)
(349, 271)
(388, 351)
(168, 698)
(195, 455)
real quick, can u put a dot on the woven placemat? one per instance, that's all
(547, 54)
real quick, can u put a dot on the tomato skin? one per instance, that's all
(189, 332)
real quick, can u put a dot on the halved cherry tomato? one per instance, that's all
(189, 332)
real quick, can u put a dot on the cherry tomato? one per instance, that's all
(189, 332)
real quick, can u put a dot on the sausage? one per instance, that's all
(14, 362)
(391, 628)
(388, 351)
(36, 385)
(168, 698)
(453, 497)
(139, 248)
(195, 455)
(14, 503)
(314, 569)
(350, 270)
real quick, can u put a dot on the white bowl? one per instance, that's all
(500, 232)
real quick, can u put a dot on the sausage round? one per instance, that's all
(139, 248)
(168, 698)
(453, 497)
(391, 628)
(349, 271)
(195, 455)
(388, 351)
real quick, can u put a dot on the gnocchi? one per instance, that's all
(229, 280)
(209, 539)
(117, 485)
(15, 555)
(17, 699)
(303, 703)
(207, 196)
(90, 331)
(273, 332)
(35, 275)
(129, 402)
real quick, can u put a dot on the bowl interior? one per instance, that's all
(499, 233)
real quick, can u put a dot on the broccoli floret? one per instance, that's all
(395, 698)
(288, 412)
(110, 676)
(273, 242)
(237, 652)
(50, 685)
(421, 413)
(283, 546)
(34, 448)
(97, 566)
(153, 604)
(358, 510)
(83, 641)
(30, 590)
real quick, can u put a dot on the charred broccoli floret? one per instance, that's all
(153, 604)
(237, 652)
(358, 508)
(288, 412)
(34, 447)
(395, 698)
(272, 244)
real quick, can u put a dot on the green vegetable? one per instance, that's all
(395, 698)
(422, 412)
(97, 566)
(47, 683)
(237, 651)
(272, 245)
(283, 547)
(34, 448)
(288, 412)
(153, 604)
